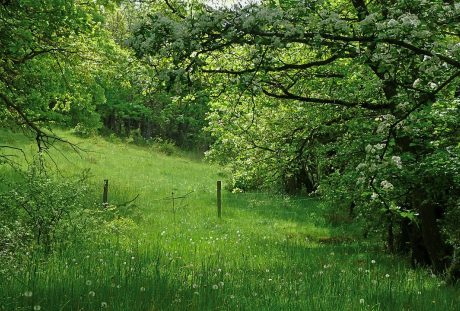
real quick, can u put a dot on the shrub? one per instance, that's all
(38, 206)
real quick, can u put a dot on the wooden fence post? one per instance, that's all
(105, 195)
(219, 199)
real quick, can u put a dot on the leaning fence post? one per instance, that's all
(106, 193)
(219, 199)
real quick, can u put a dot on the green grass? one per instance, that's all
(268, 252)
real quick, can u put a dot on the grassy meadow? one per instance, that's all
(267, 252)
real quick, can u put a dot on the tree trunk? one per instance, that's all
(431, 233)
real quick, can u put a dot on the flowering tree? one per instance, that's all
(364, 97)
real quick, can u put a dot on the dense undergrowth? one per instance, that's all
(268, 252)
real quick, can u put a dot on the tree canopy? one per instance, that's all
(358, 98)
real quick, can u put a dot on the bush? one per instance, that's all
(164, 146)
(38, 206)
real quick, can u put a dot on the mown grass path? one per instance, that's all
(268, 252)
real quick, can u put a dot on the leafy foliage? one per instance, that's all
(370, 104)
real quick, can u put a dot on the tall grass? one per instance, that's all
(268, 252)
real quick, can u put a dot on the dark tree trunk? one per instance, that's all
(431, 233)
(390, 234)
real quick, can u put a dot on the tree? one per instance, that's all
(388, 69)
(50, 52)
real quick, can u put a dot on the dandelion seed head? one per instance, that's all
(88, 282)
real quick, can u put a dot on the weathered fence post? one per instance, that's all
(219, 198)
(105, 195)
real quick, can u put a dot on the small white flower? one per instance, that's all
(386, 185)
(91, 294)
(103, 304)
(392, 23)
(373, 261)
(88, 282)
(142, 289)
(361, 301)
(397, 161)
(37, 308)
(28, 293)
(387, 275)
(374, 196)
(215, 286)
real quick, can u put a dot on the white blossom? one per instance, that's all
(386, 185)
(397, 161)
(432, 85)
